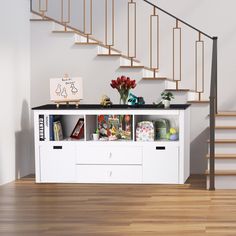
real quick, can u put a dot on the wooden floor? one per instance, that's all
(30, 209)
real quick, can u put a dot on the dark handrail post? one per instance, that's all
(31, 5)
(213, 110)
(215, 41)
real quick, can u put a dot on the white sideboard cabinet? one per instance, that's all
(122, 161)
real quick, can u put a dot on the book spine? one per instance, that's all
(46, 127)
(51, 130)
(56, 131)
(41, 128)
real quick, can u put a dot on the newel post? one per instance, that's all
(213, 112)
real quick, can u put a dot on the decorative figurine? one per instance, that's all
(134, 100)
(105, 101)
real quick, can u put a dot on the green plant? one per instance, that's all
(96, 131)
(167, 96)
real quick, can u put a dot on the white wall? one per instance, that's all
(54, 55)
(15, 138)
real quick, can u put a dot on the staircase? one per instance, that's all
(150, 69)
(225, 151)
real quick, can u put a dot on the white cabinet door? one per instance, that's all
(57, 163)
(161, 164)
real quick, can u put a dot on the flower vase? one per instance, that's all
(124, 97)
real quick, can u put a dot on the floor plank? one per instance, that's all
(32, 209)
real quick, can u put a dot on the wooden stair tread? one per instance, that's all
(150, 69)
(85, 43)
(224, 141)
(109, 55)
(223, 156)
(200, 102)
(63, 31)
(132, 67)
(156, 78)
(111, 48)
(118, 54)
(226, 114)
(223, 172)
(225, 127)
(40, 20)
(177, 90)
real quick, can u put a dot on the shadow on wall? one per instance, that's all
(198, 152)
(23, 144)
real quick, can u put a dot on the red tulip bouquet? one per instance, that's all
(123, 84)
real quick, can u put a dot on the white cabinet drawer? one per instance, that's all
(57, 163)
(109, 174)
(109, 155)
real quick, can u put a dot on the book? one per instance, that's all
(51, 131)
(58, 133)
(41, 128)
(52, 119)
(46, 128)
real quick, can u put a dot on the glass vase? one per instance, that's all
(124, 97)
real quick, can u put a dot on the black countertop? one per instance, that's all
(113, 107)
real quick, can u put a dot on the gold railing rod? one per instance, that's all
(180, 54)
(90, 31)
(106, 25)
(196, 65)
(43, 10)
(65, 22)
(135, 25)
(151, 42)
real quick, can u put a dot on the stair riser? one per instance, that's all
(224, 182)
(224, 149)
(225, 121)
(225, 134)
(224, 164)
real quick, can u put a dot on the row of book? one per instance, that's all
(50, 128)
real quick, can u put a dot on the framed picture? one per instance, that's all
(66, 89)
(78, 131)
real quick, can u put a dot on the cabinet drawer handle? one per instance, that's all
(57, 147)
(110, 155)
(160, 147)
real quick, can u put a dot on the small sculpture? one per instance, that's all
(105, 101)
(134, 100)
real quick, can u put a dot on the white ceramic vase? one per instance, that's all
(166, 103)
(95, 136)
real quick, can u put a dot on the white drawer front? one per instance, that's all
(109, 174)
(109, 155)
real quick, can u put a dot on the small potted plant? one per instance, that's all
(96, 135)
(166, 98)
